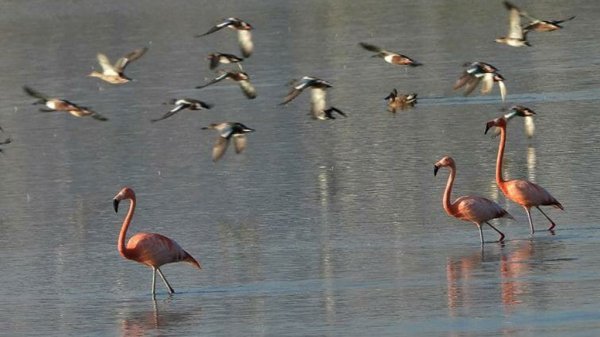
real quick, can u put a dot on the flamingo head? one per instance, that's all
(446, 161)
(498, 122)
(124, 193)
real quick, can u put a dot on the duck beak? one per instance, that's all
(116, 205)
(248, 130)
(435, 170)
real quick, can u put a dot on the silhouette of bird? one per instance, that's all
(517, 36)
(57, 104)
(240, 77)
(243, 29)
(227, 131)
(390, 57)
(475, 209)
(402, 102)
(183, 103)
(522, 192)
(221, 58)
(475, 73)
(151, 249)
(115, 73)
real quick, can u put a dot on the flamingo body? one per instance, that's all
(151, 249)
(522, 192)
(475, 209)
(155, 250)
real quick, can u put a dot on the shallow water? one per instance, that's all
(319, 228)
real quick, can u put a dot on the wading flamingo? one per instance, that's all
(150, 249)
(475, 209)
(523, 192)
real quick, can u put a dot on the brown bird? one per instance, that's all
(390, 57)
(536, 24)
(475, 73)
(240, 77)
(227, 131)
(222, 58)
(402, 102)
(115, 73)
(57, 104)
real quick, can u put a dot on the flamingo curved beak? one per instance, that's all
(488, 126)
(116, 205)
(435, 170)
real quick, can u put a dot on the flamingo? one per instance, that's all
(151, 249)
(523, 192)
(475, 209)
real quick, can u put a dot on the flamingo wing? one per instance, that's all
(155, 250)
(478, 209)
(527, 193)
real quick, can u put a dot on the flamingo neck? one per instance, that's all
(123, 234)
(446, 203)
(499, 180)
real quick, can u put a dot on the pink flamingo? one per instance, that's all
(475, 209)
(523, 192)
(150, 249)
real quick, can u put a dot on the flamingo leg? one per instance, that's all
(165, 280)
(530, 221)
(499, 232)
(480, 233)
(547, 217)
(153, 281)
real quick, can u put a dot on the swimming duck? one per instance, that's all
(227, 131)
(318, 94)
(243, 29)
(401, 102)
(390, 57)
(517, 36)
(57, 104)
(183, 103)
(240, 77)
(476, 72)
(216, 58)
(115, 73)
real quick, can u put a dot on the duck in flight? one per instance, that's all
(227, 131)
(390, 57)
(478, 72)
(536, 24)
(183, 103)
(240, 77)
(243, 29)
(57, 104)
(114, 73)
(318, 102)
(222, 58)
(517, 36)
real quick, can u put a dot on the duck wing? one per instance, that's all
(371, 47)
(217, 27)
(515, 31)
(215, 80)
(245, 41)
(219, 148)
(36, 94)
(107, 68)
(125, 60)
(248, 89)
(239, 142)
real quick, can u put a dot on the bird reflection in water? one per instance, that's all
(156, 322)
(458, 273)
(513, 268)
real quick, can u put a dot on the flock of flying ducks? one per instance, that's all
(155, 250)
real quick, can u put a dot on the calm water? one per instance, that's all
(320, 228)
